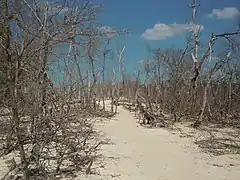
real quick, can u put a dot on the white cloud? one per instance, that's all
(225, 13)
(163, 31)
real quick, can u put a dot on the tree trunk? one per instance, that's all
(6, 41)
(16, 120)
(204, 103)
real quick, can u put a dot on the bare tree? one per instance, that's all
(44, 123)
(198, 64)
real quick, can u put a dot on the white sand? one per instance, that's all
(157, 154)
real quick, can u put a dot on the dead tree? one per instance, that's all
(121, 70)
(114, 93)
(28, 39)
(198, 64)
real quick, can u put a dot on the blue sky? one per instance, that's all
(171, 21)
(164, 24)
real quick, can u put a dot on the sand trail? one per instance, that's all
(138, 153)
(157, 154)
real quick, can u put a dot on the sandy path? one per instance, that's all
(157, 154)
